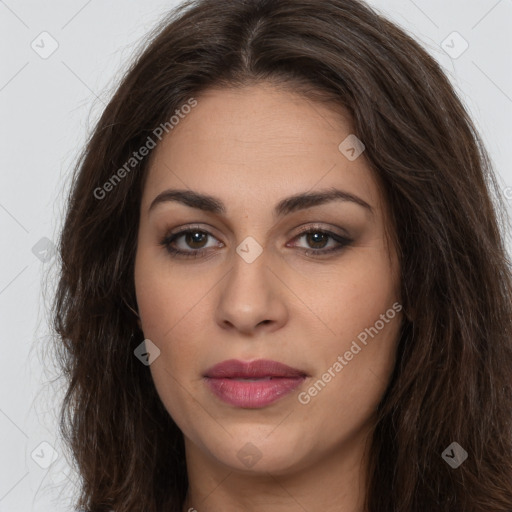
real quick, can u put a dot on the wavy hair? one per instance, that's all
(452, 381)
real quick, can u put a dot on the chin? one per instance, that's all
(258, 452)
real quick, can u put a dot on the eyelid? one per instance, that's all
(305, 228)
(183, 230)
(191, 227)
(321, 227)
(341, 240)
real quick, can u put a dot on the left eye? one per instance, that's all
(318, 239)
(195, 239)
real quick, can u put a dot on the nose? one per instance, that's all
(251, 299)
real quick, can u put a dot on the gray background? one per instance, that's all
(48, 106)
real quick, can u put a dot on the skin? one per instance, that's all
(250, 148)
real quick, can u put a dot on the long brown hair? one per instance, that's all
(453, 376)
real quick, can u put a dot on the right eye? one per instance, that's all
(193, 238)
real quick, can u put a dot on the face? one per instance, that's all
(269, 267)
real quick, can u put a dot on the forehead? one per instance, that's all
(258, 143)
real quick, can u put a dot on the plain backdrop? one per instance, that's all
(59, 62)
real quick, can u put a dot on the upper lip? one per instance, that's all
(233, 369)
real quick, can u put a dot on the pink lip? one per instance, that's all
(277, 380)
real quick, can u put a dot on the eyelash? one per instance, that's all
(169, 239)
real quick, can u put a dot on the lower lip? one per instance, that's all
(253, 394)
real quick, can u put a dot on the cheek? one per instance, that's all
(351, 296)
(352, 378)
(360, 306)
(166, 307)
(166, 295)
(172, 307)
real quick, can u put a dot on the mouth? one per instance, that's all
(252, 385)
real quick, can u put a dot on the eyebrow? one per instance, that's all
(208, 203)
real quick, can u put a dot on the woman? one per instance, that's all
(284, 281)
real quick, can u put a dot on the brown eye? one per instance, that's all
(188, 242)
(318, 239)
(195, 237)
